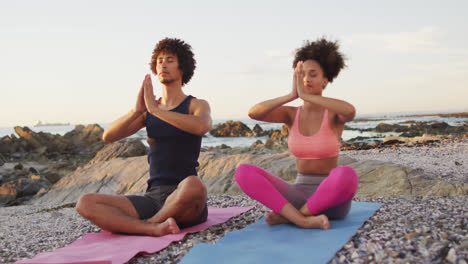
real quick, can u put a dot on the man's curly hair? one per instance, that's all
(182, 50)
(325, 53)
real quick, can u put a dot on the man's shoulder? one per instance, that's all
(198, 102)
(199, 105)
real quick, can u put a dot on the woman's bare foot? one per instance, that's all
(273, 218)
(316, 221)
(165, 228)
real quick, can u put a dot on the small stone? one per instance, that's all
(464, 244)
(451, 256)
(342, 258)
(410, 235)
(348, 246)
(444, 235)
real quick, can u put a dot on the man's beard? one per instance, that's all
(166, 80)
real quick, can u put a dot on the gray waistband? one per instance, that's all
(310, 178)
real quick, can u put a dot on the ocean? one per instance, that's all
(361, 122)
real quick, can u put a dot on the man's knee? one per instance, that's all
(191, 188)
(85, 205)
(190, 199)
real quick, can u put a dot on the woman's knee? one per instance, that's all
(345, 175)
(243, 172)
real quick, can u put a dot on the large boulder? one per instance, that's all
(425, 139)
(129, 176)
(7, 193)
(80, 141)
(117, 176)
(385, 179)
(383, 127)
(217, 171)
(231, 129)
(16, 191)
(2, 160)
(123, 148)
(85, 135)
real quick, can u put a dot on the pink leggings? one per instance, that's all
(330, 195)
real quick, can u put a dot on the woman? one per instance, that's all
(322, 190)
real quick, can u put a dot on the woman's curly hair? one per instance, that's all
(182, 50)
(326, 53)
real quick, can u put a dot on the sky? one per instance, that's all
(84, 61)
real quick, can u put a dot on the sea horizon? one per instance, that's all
(362, 121)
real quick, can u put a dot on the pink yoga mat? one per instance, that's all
(109, 248)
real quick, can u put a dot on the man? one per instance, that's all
(175, 197)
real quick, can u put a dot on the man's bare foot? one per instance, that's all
(273, 218)
(165, 228)
(316, 221)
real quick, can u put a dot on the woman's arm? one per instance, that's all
(197, 122)
(272, 110)
(344, 110)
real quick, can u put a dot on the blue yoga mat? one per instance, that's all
(260, 243)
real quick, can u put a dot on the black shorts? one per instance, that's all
(153, 200)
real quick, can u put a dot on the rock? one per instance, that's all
(7, 193)
(258, 131)
(231, 129)
(439, 126)
(122, 148)
(217, 168)
(2, 160)
(258, 144)
(382, 127)
(117, 176)
(217, 171)
(88, 135)
(269, 143)
(19, 166)
(52, 177)
(425, 139)
(285, 131)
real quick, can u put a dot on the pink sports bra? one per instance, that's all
(321, 145)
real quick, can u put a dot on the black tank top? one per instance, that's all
(173, 153)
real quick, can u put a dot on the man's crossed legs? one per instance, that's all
(185, 206)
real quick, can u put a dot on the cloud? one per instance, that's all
(407, 41)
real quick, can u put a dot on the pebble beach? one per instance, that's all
(403, 230)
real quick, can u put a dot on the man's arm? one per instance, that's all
(197, 122)
(130, 123)
(125, 126)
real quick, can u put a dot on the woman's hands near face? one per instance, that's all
(299, 77)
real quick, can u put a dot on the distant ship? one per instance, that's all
(39, 124)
